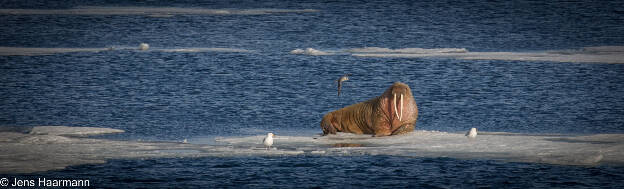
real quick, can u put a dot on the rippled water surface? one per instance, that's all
(258, 86)
(336, 172)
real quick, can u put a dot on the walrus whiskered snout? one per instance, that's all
(393, 112)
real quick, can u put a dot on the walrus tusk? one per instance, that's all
(401, 107)
(396, 112)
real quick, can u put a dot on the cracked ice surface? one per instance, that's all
(48, 148)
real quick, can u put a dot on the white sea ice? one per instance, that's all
(27, 51)
(56, 147)
(72, 131)
(202, 49)
(24, 51)
(310, 51)
(379, 50)
(601, 54)
(149, 11)
(46, 148)
(554, 149)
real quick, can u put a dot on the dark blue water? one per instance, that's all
(336, 172)
(168, 96)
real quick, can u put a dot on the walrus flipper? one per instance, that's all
(327, 126)
(404, 129)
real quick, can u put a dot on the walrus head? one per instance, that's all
(393, 112)
(394, 101)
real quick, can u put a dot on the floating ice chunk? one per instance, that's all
(407, 50)
(18, 129)
(603, 49)
(24, 51)
(297, 51)
(161, 15)
(472, 133)
(200, 49)
(100, 10)
(517, 147)
(44, 139)
(601, 54)
(46, 148)
(310, 51)
(72, 131)
(143, 46)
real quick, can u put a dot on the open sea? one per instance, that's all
(233, 74)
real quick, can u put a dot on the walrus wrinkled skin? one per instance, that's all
(394, 112)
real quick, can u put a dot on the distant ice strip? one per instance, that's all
(191, 50)
(25, 51)
(46, 148)
(310, 51)
(602, 54)
(378, 50)
(155, 11)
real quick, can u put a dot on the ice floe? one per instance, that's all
(193, 50)
(25, 51)
(72, 131)
(46, 148)
(553, 149)
(378, 50)
(600, 54)
(56, 147)
(149, 11)
(144, 47)
(310, 51)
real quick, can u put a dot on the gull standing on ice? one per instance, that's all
(340, 80)
(472, 133)
(268, 140)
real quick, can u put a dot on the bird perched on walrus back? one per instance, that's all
(340, 80)
(393, 112)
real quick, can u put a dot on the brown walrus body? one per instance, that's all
(394, 112)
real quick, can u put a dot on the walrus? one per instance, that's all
(394, 112)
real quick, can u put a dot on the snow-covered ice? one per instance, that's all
(46, 148)
(25, 51)
(310, 51)
(201, 49)
(553, 149)
(599, 54)
(28, 51)
(72, 131)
